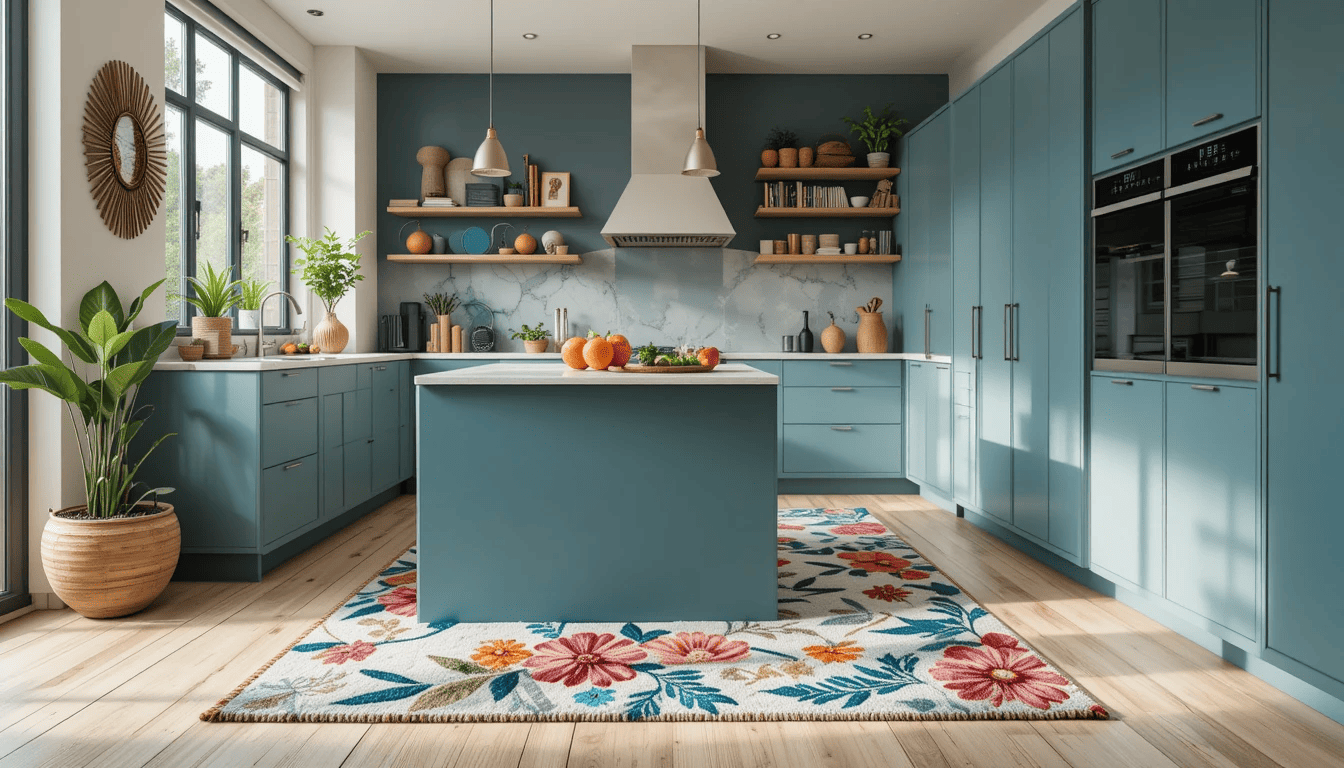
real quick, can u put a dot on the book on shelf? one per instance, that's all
(799, 194)
(439, 202)
(398, 202)
(527, 182)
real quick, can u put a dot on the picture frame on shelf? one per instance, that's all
(555, 189)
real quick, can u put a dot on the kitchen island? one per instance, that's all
(549, 494)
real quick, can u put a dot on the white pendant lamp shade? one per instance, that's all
(491, 160)
(700, 159)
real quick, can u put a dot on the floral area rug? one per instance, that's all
(868, 629)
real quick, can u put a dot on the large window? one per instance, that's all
(228, 166)
(13, 281)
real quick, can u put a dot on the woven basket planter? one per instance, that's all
(110, 567)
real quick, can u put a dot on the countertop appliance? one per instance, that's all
(404, 331)
(1176, 263)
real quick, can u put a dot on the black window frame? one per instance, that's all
(238, 139)
(14, 521)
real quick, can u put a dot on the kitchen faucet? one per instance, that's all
(261, 325)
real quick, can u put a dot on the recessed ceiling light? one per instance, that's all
(529, 35)
(315, 12)
(866, 36)
(773, 36)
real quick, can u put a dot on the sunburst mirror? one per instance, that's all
(124, 149)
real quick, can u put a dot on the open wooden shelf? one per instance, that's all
(825, 174)
(484, 258)
(826, 213)
(492, 212)
(843, 258)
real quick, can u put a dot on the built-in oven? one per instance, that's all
(1175, 277)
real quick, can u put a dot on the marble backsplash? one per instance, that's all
(685, 295)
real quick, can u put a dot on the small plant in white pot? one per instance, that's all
(215, 296)
(113, 554)
(877, 131)
(249, 305)
(330, 269)
(535, 340)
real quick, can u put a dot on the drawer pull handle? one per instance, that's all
(295, 464)
(287, 374)
(842, 429)
(369, 441)
(1204, 387)
(842, 389)
(1122, 153)
(380, 368)
(1123, 382)
(837, 363)
(1209, 119)
(289, 403)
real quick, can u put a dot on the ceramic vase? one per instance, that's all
(217, 333)
(878, 159)
(331, 335)
(833, 339)
(249, 319)
(872, 335)
(111, 567)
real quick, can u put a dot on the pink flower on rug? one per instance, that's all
(1000, 671)
(586, 656)
(696, 648)
(860, 529)
(400, 601)
(356, 651)
(791, 527)
(882, 562)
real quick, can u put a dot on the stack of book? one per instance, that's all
(413, 202)
(531, 183)
(796, 194)
(439, 202)
(884, 241)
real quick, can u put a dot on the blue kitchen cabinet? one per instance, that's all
(1212, 66)
(917, 422)
(289, 494)
(967, 312)
(1127, 480)
(938, 450)
(1212, 502)
(333, 454)
(995, 439)
(841, 449)
(937, 260)
(1126, 81)
(1304, 350)
(358, 465)
(838, 418)
(911, 273)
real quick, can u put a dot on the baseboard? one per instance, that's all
(817, 486)
(16, 613)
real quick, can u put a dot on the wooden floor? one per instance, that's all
(76, 692)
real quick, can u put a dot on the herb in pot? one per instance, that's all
(532, 334)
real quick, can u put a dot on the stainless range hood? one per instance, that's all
(660, 207)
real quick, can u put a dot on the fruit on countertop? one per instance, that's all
(572, 353)
(597, 352)
(313, 349)
(708, 356)
(290, 348)
(620, 349)
(303, 348)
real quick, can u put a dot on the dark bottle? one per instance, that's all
(805, 336)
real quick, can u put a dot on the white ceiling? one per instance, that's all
(818, 36)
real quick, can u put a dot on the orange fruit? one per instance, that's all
(290, 348)
(572, 353)
(708, 356)
(620, 349)
(597, 353)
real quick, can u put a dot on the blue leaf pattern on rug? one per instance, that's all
(867, 629)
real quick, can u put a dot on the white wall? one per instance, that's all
(982, 58)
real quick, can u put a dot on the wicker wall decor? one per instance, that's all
(124, 149)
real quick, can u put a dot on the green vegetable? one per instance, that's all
(647, 354)
(532, 334)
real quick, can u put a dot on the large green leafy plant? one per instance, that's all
(330, 268)
(107, 363)
(877, 131)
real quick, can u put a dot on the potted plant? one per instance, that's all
(514, 197)
(191, 351)
(442, 305)
(535, 340)
(785, 145)
(216, 295)
(330, 269)
(249, 303)
(113, 554)
(877, 131)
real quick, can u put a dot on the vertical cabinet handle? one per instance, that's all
(972, 332)
(1006, 310)
(927, 311)
(1273, 364)
(1012, 327)
(1122, 153)
(979, 332)
(1206, 120)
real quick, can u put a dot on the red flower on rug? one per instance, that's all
(781, 563)
(586, 657)
(1000, 671)
(791, 527)
(860, 529)
(888, 593)
(697, 648)
(400, 601)
(883, 562)
(356, 651)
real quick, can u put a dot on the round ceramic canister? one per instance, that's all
(795, 243)
(767, 247)
(809, 244)
(781, 247)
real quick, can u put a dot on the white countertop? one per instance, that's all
(559, 373)
(170, 362)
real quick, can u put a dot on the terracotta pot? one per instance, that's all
(788, 157)
(833, 339)
(805, 157)
(112, 567)
(872, 336)
(217, 333)
(536, 347)
(331, 335)
(769, 158)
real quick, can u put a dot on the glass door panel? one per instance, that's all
(1129, 312)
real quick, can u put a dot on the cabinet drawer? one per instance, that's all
(288, 430)
(842, 448)
(842, 373)
(288, 385)
(842, 405)
(336, 378)
(288, 498)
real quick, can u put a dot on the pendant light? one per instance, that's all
(491, 160)
(700, 158)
